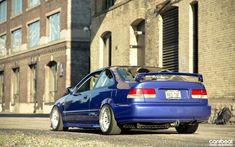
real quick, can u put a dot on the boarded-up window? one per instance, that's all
(15, 85)
(137, 43)
(32, 83)
(51, 81)
(194, 36)
(1, 86)
(107, 49)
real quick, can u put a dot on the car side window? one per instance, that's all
(106, 79)
(88, 84)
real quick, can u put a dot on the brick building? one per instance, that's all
(194, 36)
(44, 48)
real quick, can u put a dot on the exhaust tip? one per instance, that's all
(175, 124)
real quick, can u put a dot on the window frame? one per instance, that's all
(16, 49)
(2, 78)
(49, 32)
(105, 86)
(14, 13)
(33, 6)
(107, 4)
(28, 34)
(3, 52)
(5, 17)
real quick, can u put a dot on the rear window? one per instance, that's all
(129, 74)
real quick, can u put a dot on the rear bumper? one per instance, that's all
(155, 113)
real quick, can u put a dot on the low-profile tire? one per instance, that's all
(57, 121)
(108, 124)
(187, 128)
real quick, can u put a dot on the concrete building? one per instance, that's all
(43, 49)
(194, 36)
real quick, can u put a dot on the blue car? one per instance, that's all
(119, 98)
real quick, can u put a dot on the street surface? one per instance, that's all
(23, 131)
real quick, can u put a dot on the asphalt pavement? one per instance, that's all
(35, 131)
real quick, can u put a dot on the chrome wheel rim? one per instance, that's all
(54, 119)
(105, 119)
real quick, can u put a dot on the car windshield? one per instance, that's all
(129, 74)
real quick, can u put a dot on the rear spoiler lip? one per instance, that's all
(140, 75)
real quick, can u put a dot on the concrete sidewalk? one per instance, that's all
(5, 114)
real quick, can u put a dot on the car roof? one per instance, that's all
(123, 66)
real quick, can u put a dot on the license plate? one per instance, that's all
(173, 94)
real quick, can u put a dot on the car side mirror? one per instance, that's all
(69, 90)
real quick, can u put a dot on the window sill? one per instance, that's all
(22, 51)
(35, 6)
(12, 17)
(4, 21)
(56, 40)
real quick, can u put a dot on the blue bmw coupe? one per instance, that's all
(120, 98)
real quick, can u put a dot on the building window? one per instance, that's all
(16, 85)
(33, 83)
(1, 86)
(3, 10)
(33, 3)
(107, 4)
(52, 78)
(16, 40)
(34, 34)
(16, 7)
(107, 49)
(137, 42)
(54, 27)
(193, 37)
(170, 39)
(3, 41)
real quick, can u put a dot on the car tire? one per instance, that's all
(107, 121)
(187, 128)
(57, 121)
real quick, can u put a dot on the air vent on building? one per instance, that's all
(170, 39)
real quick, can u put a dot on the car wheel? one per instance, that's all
(107, 121)
(187, 128)
(56, 120)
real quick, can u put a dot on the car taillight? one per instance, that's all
(142, 93)
(199, 93)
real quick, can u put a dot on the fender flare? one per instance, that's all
(107, 101)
